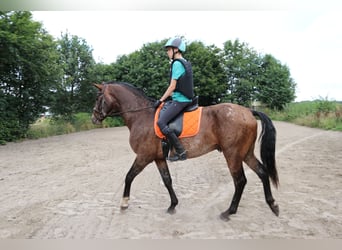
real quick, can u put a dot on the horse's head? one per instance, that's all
(117, 98)
(104, 105)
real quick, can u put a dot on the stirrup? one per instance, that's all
(178, 157)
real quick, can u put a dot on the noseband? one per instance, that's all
(100, 114)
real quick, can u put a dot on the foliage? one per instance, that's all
(323, 105)
(275, 87)
(251, 76)
(38, 73)
(147, 69)
(45, 127)
(242, 67)
(238, 74)
(102, 73)
(319, 114)
(28, 66)
(74, 90)
(209, 75)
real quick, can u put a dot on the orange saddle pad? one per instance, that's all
(191, 123)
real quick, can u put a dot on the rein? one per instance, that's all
(129, 111)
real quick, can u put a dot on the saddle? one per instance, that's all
(186, 124)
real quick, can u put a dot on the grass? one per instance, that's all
(46, 127)
(322, 114)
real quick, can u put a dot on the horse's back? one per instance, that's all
(229, 114)
(230, 124)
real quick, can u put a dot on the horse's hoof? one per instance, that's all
(124, 203)
(123, 208)
(224, 217)
(275, 209)
(171, 210)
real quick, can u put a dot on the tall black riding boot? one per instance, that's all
(180, 153)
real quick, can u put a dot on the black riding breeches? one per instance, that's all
(169, 111)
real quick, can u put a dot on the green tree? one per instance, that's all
(275, 86)
(209, 74)
(74, 92)
(103, 72)
(147, 68)
(28, 66)
(242, 67)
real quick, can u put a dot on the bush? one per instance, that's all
(48, 127)
(319, 114)
(9, 131)
(113, 122)
(82, 121)
(45, 127)
(323, 106)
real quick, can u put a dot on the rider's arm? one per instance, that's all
(169, 90)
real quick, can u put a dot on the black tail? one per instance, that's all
(267, 149)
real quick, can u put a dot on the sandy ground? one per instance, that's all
(70, 187)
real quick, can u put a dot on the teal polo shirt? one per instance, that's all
(177, 71)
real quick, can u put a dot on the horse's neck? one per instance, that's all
(132, 107)
(137, 115)
(128, 100)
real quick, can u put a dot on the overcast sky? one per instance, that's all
(309, 42)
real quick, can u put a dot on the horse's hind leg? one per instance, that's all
(136, 168)
(260, 170)
(240, 181)
(166, 177)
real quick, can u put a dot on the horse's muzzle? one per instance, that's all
(95, 120)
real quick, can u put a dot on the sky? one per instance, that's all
(308, 41)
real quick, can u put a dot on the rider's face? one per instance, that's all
(169, 51)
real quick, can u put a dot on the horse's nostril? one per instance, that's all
(95, 120)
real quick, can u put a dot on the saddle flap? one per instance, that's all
(187, 124)
(176, 125)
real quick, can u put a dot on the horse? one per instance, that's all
(226, 127)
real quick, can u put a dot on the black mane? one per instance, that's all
(136, 91)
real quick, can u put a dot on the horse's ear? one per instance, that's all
(99, 86)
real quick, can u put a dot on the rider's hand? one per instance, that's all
(157, 104)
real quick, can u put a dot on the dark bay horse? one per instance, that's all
(229, 128)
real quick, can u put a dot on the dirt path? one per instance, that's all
(67, 187)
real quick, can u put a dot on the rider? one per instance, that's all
(181, 90)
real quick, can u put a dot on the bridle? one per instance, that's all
(102, 115)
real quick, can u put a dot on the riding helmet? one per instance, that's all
(176, 43)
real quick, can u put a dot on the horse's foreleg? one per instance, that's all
(132, 173)
(239, 183)
(166, 177)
